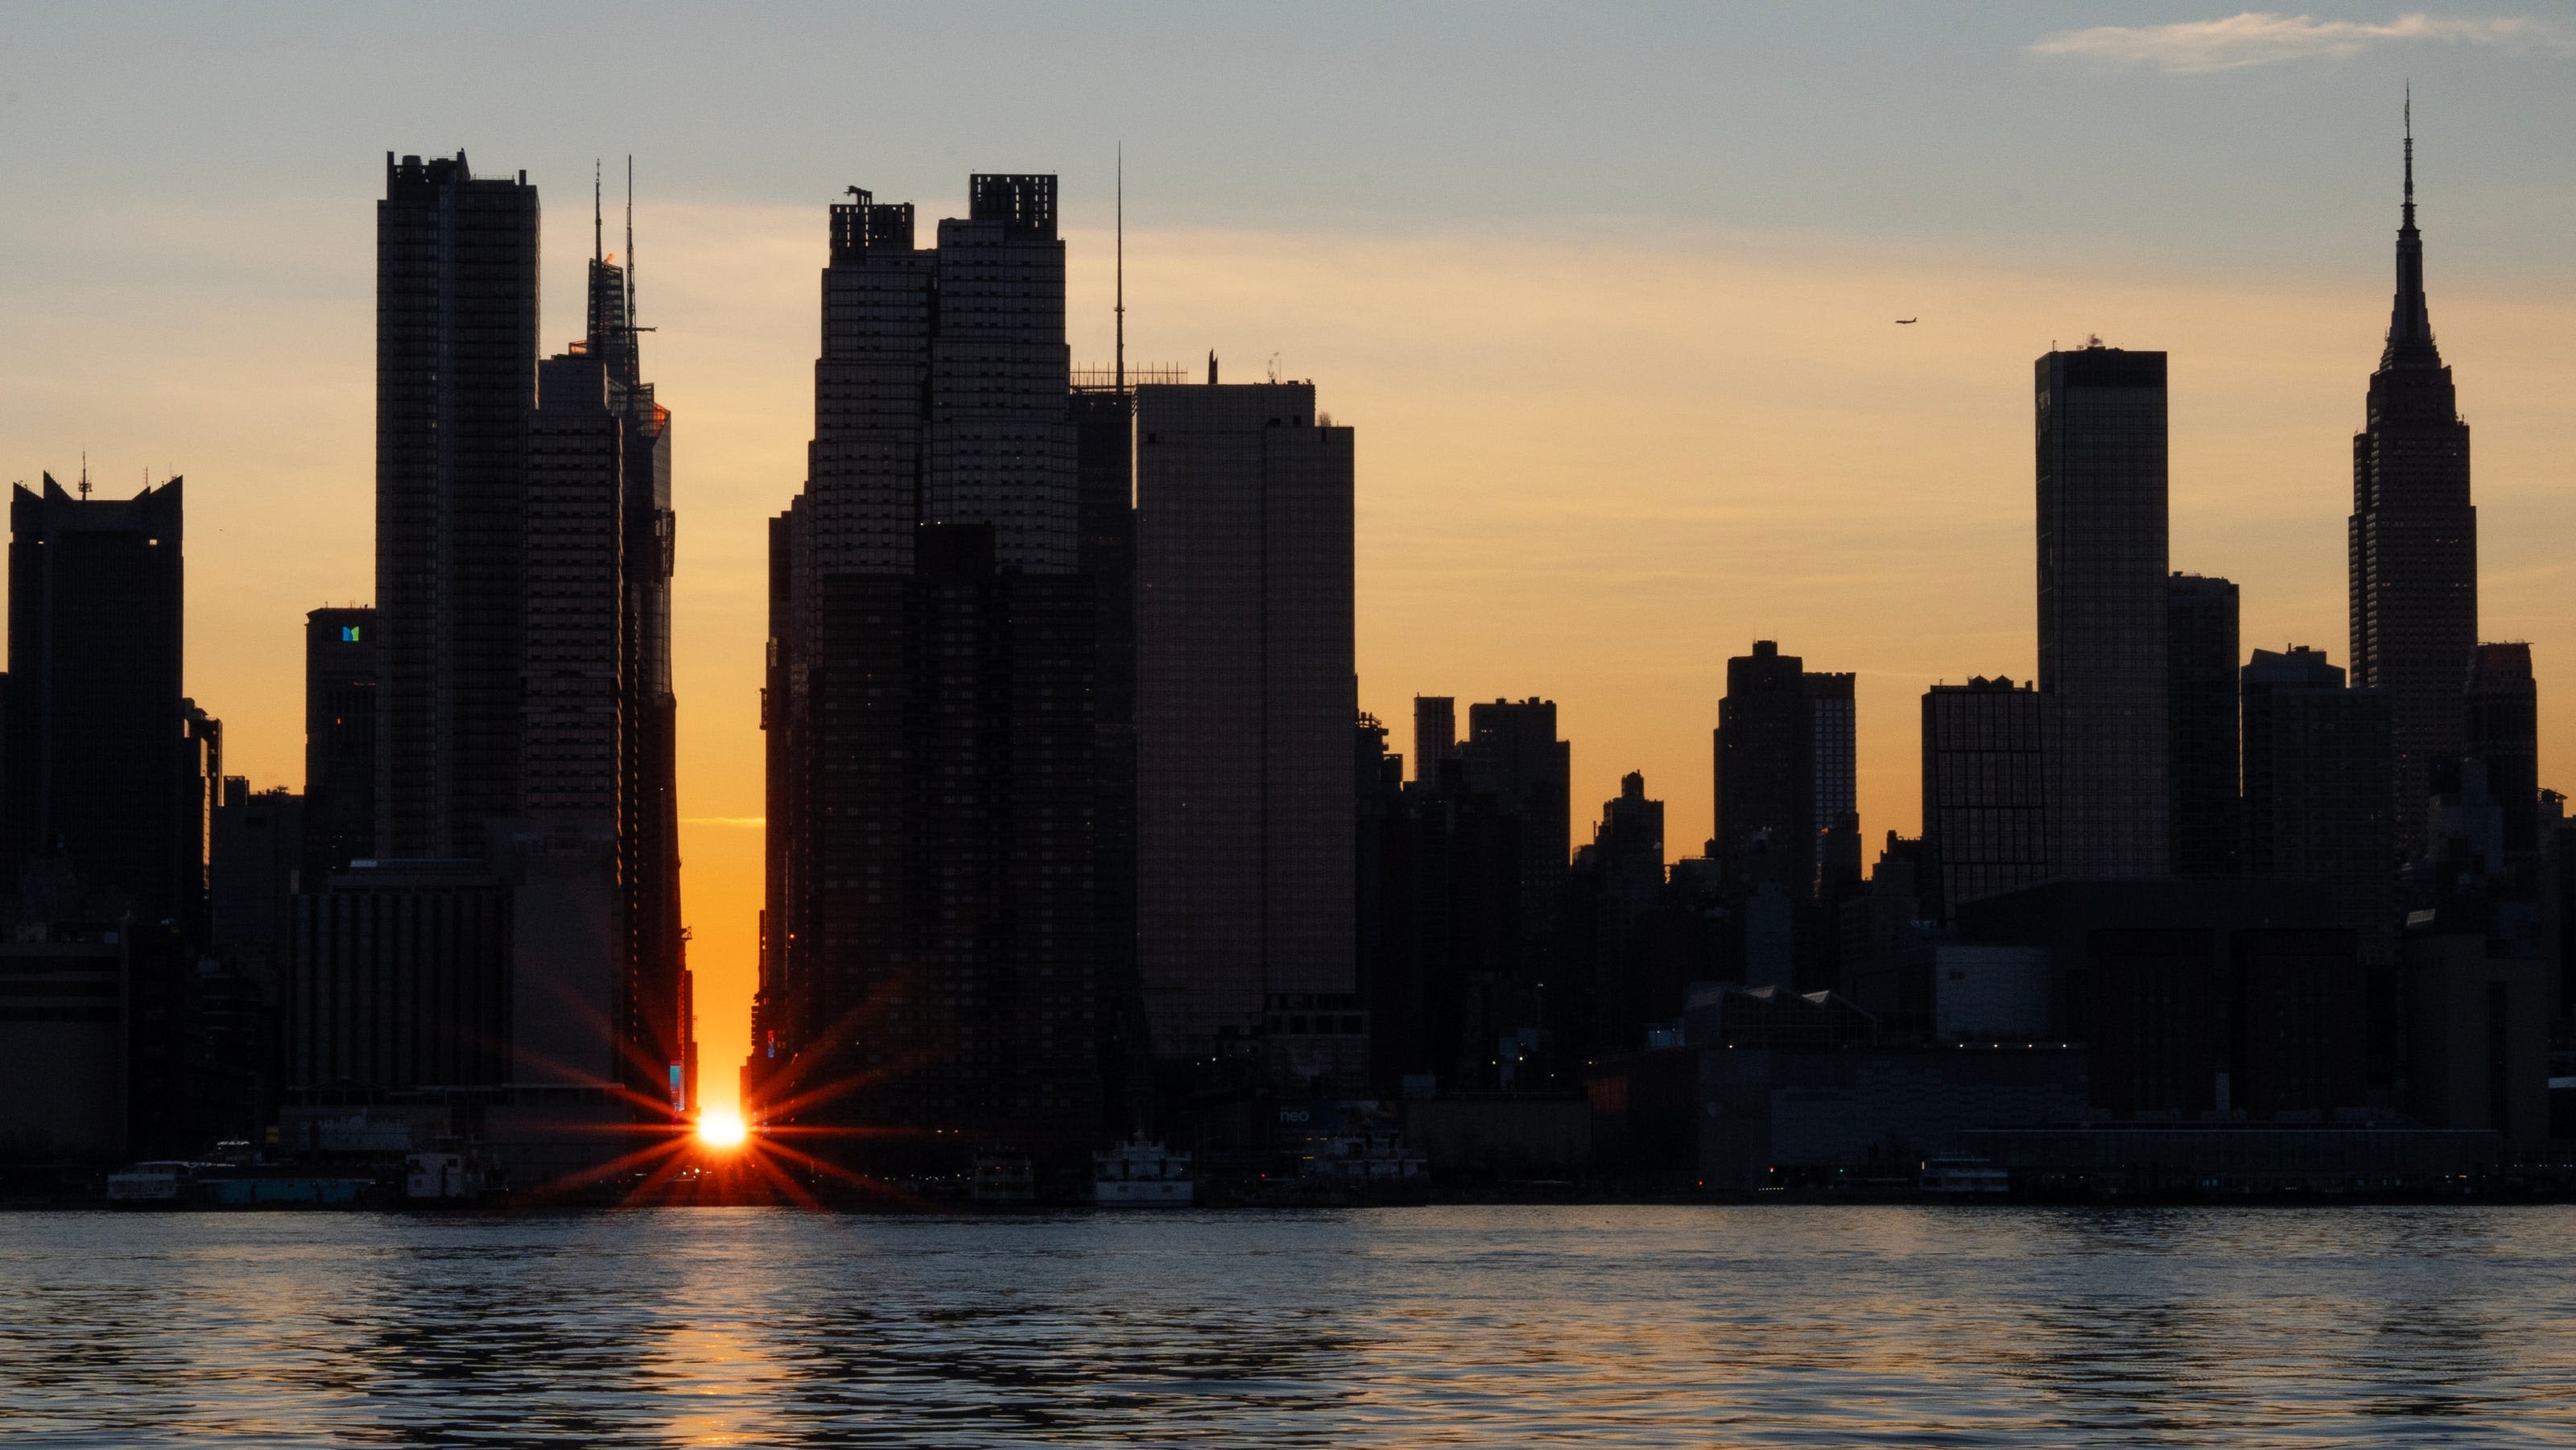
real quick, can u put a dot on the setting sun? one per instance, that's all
(721, 1128)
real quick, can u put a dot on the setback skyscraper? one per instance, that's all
(929, 968)
(2102, 596)
(2413, 539)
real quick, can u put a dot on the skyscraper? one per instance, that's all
(2200, 693)
(1435, 735)
(339, 741)
(107, 765)
(1245, 697)
(1785, 770)
(929, 965)
(2413, 538)
(2503, 734)
(456, 348)
(600, 712)
(1513, 754)
(2102, 597)
(2317, 765)
(1984, 791)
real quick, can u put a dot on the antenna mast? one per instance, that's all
(630, 239)
(1122, 269)
(594, 211)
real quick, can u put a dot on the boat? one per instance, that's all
(160, 1183)
(1139, 1174)
(1956, 1178)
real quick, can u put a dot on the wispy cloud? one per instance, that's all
(2258, 37)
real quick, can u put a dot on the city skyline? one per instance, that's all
(1428, 551)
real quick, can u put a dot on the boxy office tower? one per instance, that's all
(928, 982)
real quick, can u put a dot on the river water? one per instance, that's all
(1471, 1326)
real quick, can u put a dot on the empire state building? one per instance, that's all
(2414, 540)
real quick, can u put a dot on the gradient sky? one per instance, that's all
(1607, 292)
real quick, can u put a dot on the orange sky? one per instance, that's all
(1592, 466)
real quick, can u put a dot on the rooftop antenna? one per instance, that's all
(594, 211)
(1122, 269)
(630, 238)
(84, 483)
(2410, 153)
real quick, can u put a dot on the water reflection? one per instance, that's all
(1645, 1326)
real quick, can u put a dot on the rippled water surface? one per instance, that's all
(1501, 1326)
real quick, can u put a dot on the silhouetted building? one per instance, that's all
(2317, 763)
(339, 741)
(1513, 754)
(1245, 697)
(108, 767)
(1435, 735)
(456, 347)
(1105, 459)
(2102, 599)
(2198, 997)
(928, 961)
(1833, 726)
(402, 977)
(254, 868)
(1765, 766)
(2503, 723)
(2200, 693)
(598, 714)
(1440, 894)
(1624, 867)
(1984, 791)
(2414, 540)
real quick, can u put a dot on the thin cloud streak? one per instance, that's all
(2257, 37)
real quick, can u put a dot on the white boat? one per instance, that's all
(156, 1184)
(1963, 1178)
(1139, 1174)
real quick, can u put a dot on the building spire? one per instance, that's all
(2410, 322)
(1122, 269)
(630, 239)
(595, 257)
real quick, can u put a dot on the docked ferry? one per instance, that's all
(1139, 1174)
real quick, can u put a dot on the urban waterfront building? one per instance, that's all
(2102, 602)
(1512, 753)
(2502, 724)
(456, 349)
(1245, 697)
(929, 964)
(2317, 766)
(599, 713)
(2200, 694)
(108, 767)
(1785, 772)
(1985, 791)
(1435, 735)
(2413, 540)
(339, 741)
